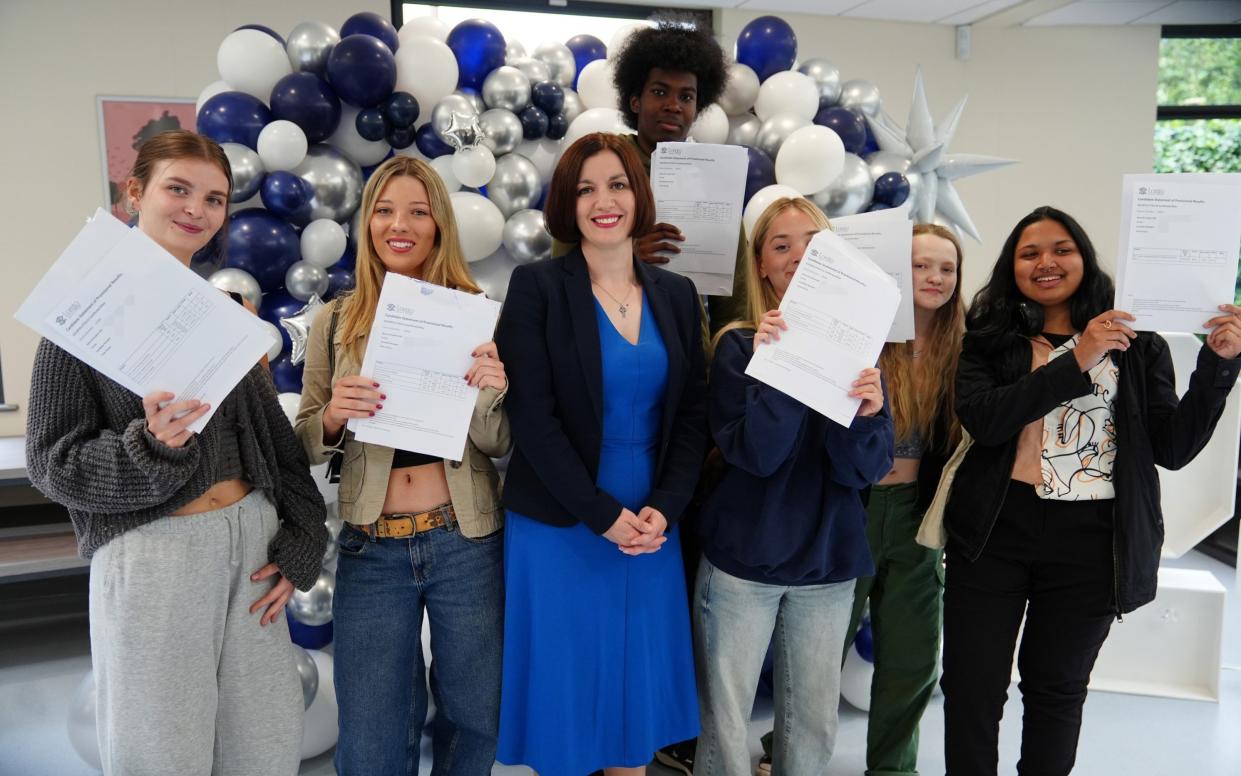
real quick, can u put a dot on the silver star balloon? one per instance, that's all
(924, 146)
(298, 327)
(463, 131)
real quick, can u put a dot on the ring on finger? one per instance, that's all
(1107, 324)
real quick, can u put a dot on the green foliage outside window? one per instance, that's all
(1202, 145)
(1200, 71)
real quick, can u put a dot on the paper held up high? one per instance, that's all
(886, 237)
(130, 310)
(699, 188)
(1180, 239)
(419, 351)
(839, 308)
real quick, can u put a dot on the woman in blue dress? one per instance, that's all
(607, 408)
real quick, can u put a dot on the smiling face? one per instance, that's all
(403, 231)
(783, 246)
(1047, 265)
(934, 271)
(666, 107)
(182, 206)
(605, 201)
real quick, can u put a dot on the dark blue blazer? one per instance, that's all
(548, 338)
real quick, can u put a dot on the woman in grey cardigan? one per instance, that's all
(196, 541)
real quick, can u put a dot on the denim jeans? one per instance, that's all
(734, 620)
(382, 587)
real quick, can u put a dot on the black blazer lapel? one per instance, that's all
(585, 326)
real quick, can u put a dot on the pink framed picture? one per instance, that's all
(124, 124)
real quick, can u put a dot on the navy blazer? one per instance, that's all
(548, 338)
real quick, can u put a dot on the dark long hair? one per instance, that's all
(999, 308)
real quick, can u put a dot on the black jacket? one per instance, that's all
(997, 395)
(548, 337)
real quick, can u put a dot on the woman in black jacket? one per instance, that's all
(1055, 513)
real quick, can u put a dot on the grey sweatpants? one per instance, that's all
(188, 682)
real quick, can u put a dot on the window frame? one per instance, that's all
(1181, 31)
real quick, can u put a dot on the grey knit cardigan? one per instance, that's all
(88, 448)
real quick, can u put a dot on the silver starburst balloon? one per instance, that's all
(298, 327)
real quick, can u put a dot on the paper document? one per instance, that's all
(839, 308)
(699, 188)
(1180, 240)
(123, 305)
(886, 237)
(419, 351)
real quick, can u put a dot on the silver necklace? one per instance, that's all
(622, 305)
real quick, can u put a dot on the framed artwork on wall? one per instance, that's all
(124, 124)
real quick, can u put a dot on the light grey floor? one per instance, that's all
(1122, 734)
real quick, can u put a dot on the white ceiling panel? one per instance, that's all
(1095, 12)
(978, 11)
(910, 10)
(1196, 12)
(818, 7)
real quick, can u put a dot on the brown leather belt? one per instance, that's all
(402, 524)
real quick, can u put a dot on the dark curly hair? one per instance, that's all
(669, 46)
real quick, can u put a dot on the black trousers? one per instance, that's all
(1050, 561)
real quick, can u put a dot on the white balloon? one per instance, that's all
(323, 242)
(251, 61)
(597, 120)
(430, 26)
(211, 90)
(427, 69)
(289, 402)
(479, 222)
(474, 166)
(543, 153)
(855, 678)
(711, 126)
(740, 90)
(282, 145)
(81, 722)
(443, 166)
(788, 92)
(277, 346)
(759, 202)
(595, 85)
(621, 37)
(492, 274)
(319, 725)
(351, 144)
(810, 159)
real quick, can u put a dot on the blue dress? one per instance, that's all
(598, 666)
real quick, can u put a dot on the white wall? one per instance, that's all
(1075, 105)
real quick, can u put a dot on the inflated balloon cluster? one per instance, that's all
(306, 119)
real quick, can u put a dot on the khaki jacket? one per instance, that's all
(472, 482)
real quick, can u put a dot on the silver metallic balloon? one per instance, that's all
(536, 70)
(775, 130)
(475, 99)
(238, 281)
(450, 106)
(526, 237)
(515, 185)
(248, 171)
(745, 131)
(492, 274)
(333, 524)
(559, 60)
(298, 327)
(826, 77)
(309, 46)
(304, 280)
(501, 130)
(850, 193)
(861, 96)
(573, 106)
(514, 49)
(314, 607)
(506, 87)
(881, 162)
(308, 673)
(336, 181)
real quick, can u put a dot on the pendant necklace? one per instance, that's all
(622, 305)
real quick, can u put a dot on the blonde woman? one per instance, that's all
(420, 532)
(784, 532)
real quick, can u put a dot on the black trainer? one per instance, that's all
(679, 757)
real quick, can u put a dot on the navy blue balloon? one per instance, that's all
(767, 45)
(479, 48)
(349, 259)
(370, 124)
(864, 641)
(367, 23)
(871, 145)
(401, 110)
(400, 137)
(338, 279)
(534, 122)
(557, 126)
(891, 189)
(547, 96)
(586, 49)
(286, 195)
(850, 126)
(262, 244)
(367, 172)
(309, 102)
(277, 305)
(760, 173)
(288, 379)
(878, 206)
(267, 30)
(362, 70)
(233, 117)
(303, 635)
(429, 142)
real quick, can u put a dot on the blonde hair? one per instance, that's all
(760, 295)
(920, 389)
(445, 266)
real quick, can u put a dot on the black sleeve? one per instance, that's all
(1179, 429)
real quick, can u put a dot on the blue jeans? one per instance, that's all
(734, 620)
(382, 586)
